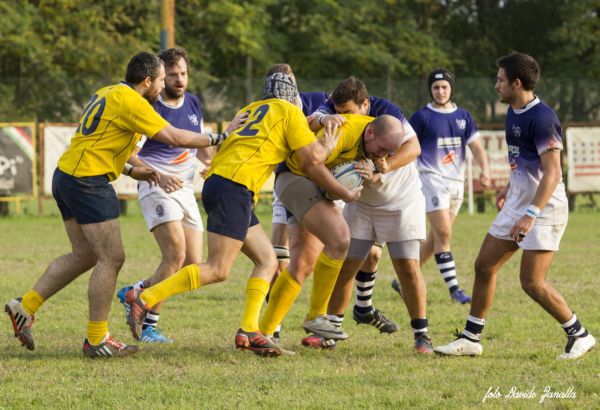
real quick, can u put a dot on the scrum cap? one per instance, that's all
(280, 86)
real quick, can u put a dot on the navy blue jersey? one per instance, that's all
(311, 101)
(444, 135)
(377, 107)
(530, 132)
(170, 160)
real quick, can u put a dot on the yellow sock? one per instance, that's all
(256, 291)
(186, 279)
(325, 275)
(96, 331)
(283, 295)
(32, 301)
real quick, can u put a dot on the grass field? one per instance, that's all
(203, 370)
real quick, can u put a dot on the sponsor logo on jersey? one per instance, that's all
(461, 124)
(449, 158)
(449, 142)
(516, 131)
(513, 165)
(193, 119)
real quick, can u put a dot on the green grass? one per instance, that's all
(203, 370)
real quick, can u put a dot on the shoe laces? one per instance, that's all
(114, 343)
(570, 342)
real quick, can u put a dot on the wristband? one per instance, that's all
(533, 211)
(216, 139)
(127, 169)
(321, 119)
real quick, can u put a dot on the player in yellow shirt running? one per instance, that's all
(107, 134)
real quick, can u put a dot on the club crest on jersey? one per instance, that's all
(435, 201)
(516, 131)
(193, 119)
(160, 211)
(461, 124)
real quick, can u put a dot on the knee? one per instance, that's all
(482, 270)
(374, 256)
(86, 257)
(174, 260)
(531, 287)
(338, 243)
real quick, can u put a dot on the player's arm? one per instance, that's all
(312, 166)
(481, 159)
(178, 137)
(550, 180)
(142, 171)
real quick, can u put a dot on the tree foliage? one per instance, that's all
(55, 53)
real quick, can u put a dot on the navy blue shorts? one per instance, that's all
(87, 199)
(229, 206)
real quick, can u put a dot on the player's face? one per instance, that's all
(376, 148)
(350, 107)
(441, 91)
(156, 86)
(176, 79)
(505, 88)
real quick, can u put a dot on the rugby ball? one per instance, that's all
(347, 176)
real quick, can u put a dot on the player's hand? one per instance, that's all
(336, 119)
(237, 122)
(521, 228)
(330, 137)
(352, 194)
(500, 198)
(364, 168)
(145, 174)
(381, 165)
(170, 183)
(484, 180)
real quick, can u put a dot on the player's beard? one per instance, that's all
(151, 97)
(172, 92)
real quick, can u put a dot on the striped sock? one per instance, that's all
(419, 325)
(151, 319)
(365, 281)
(474, 328)
(572, 327)
(336, 319)
(447, 267)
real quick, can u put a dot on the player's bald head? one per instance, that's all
(383, 136)
(389, 129)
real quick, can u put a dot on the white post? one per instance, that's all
(470, 180)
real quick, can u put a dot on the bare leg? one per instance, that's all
(105, 240)
(534, 270)
(64, 269)
(492, 255)
(413, 285)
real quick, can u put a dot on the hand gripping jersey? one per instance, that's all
(530, 132)
(444, 135)
(170, 160)
(110, 127)
(275, 129)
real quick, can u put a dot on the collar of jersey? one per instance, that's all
(531, 104)
(443, 110)
(178, 105)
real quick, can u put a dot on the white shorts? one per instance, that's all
(159, 207)
(279, 212)
(382, 225)
(540, 238)
(442, 193)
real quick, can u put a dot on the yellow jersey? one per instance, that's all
(349, 146)
(109, 128)
(274, 130)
